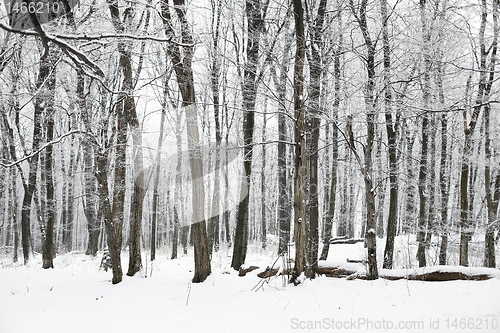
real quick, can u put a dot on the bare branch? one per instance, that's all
(39, 150)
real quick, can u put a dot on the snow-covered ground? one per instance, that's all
(77, 297)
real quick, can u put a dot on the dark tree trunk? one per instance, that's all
(254, 25)
(178, 185)
(47, 99)
(263, 199)
(469, 126)
(391, 131)
(313, 123)
(443, 171)
(367, 167)
(335, 154)
(283, 194)
(422, 175)
(105, 204)
(137, 202)
(299, 208)
(492, 193)
(156, 181)
(181, 58)
(30, 186)
(214, 221)
(90, 184)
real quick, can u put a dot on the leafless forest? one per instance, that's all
(150, 126)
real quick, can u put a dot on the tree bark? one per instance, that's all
(299, 207)
(313, 123)
(469, 126)
(30, 186)
(335, 150)
(422, 175)
(391, 131)
(181, 57)
(492, 193)
(283, 194)
(367, 165)
(105, 204)
(263, 199)
(47, 99)
(255, 24)
(156, 181)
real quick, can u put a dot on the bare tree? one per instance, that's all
(391, 131)
(299, 207)
(492, 192)
(313, 123)
(469, 127)
(181, 56)
(255, 13)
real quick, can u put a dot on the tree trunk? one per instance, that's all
(367, 166)
(105, 204)
(313, 123)
(214, 221)
(181, 57)
(465, 228)
(492, 194)
(263, 199)
(30, 186)
(422, 175)
(178, 184)
(335, 151)
(137, 202)
(89, 180)
(391, 131)
(443, 178)
(47, 99)
(156, 181)
(283, 194)
(255, 26)
(299, 197)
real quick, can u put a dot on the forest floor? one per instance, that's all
(77, 297)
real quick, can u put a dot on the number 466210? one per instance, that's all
(472, 323)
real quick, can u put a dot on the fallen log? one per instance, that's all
(356, 261)
(335, 272)
(347, 241)
(244, 271)
(435, 276)
(448, 276)
(268, 273)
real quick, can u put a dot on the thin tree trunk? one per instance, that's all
(443, 178)
(156, 181)
(469, 126)
(283, 193)
(492, 194)
(422, 175)
(313, 123)
(367, 166)
(214, 221)
(391, 131)
(30, 186)
(90, 184)
(335, 150)
(178, 184)
(263, 199)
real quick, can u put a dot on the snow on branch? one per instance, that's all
(39, 150)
